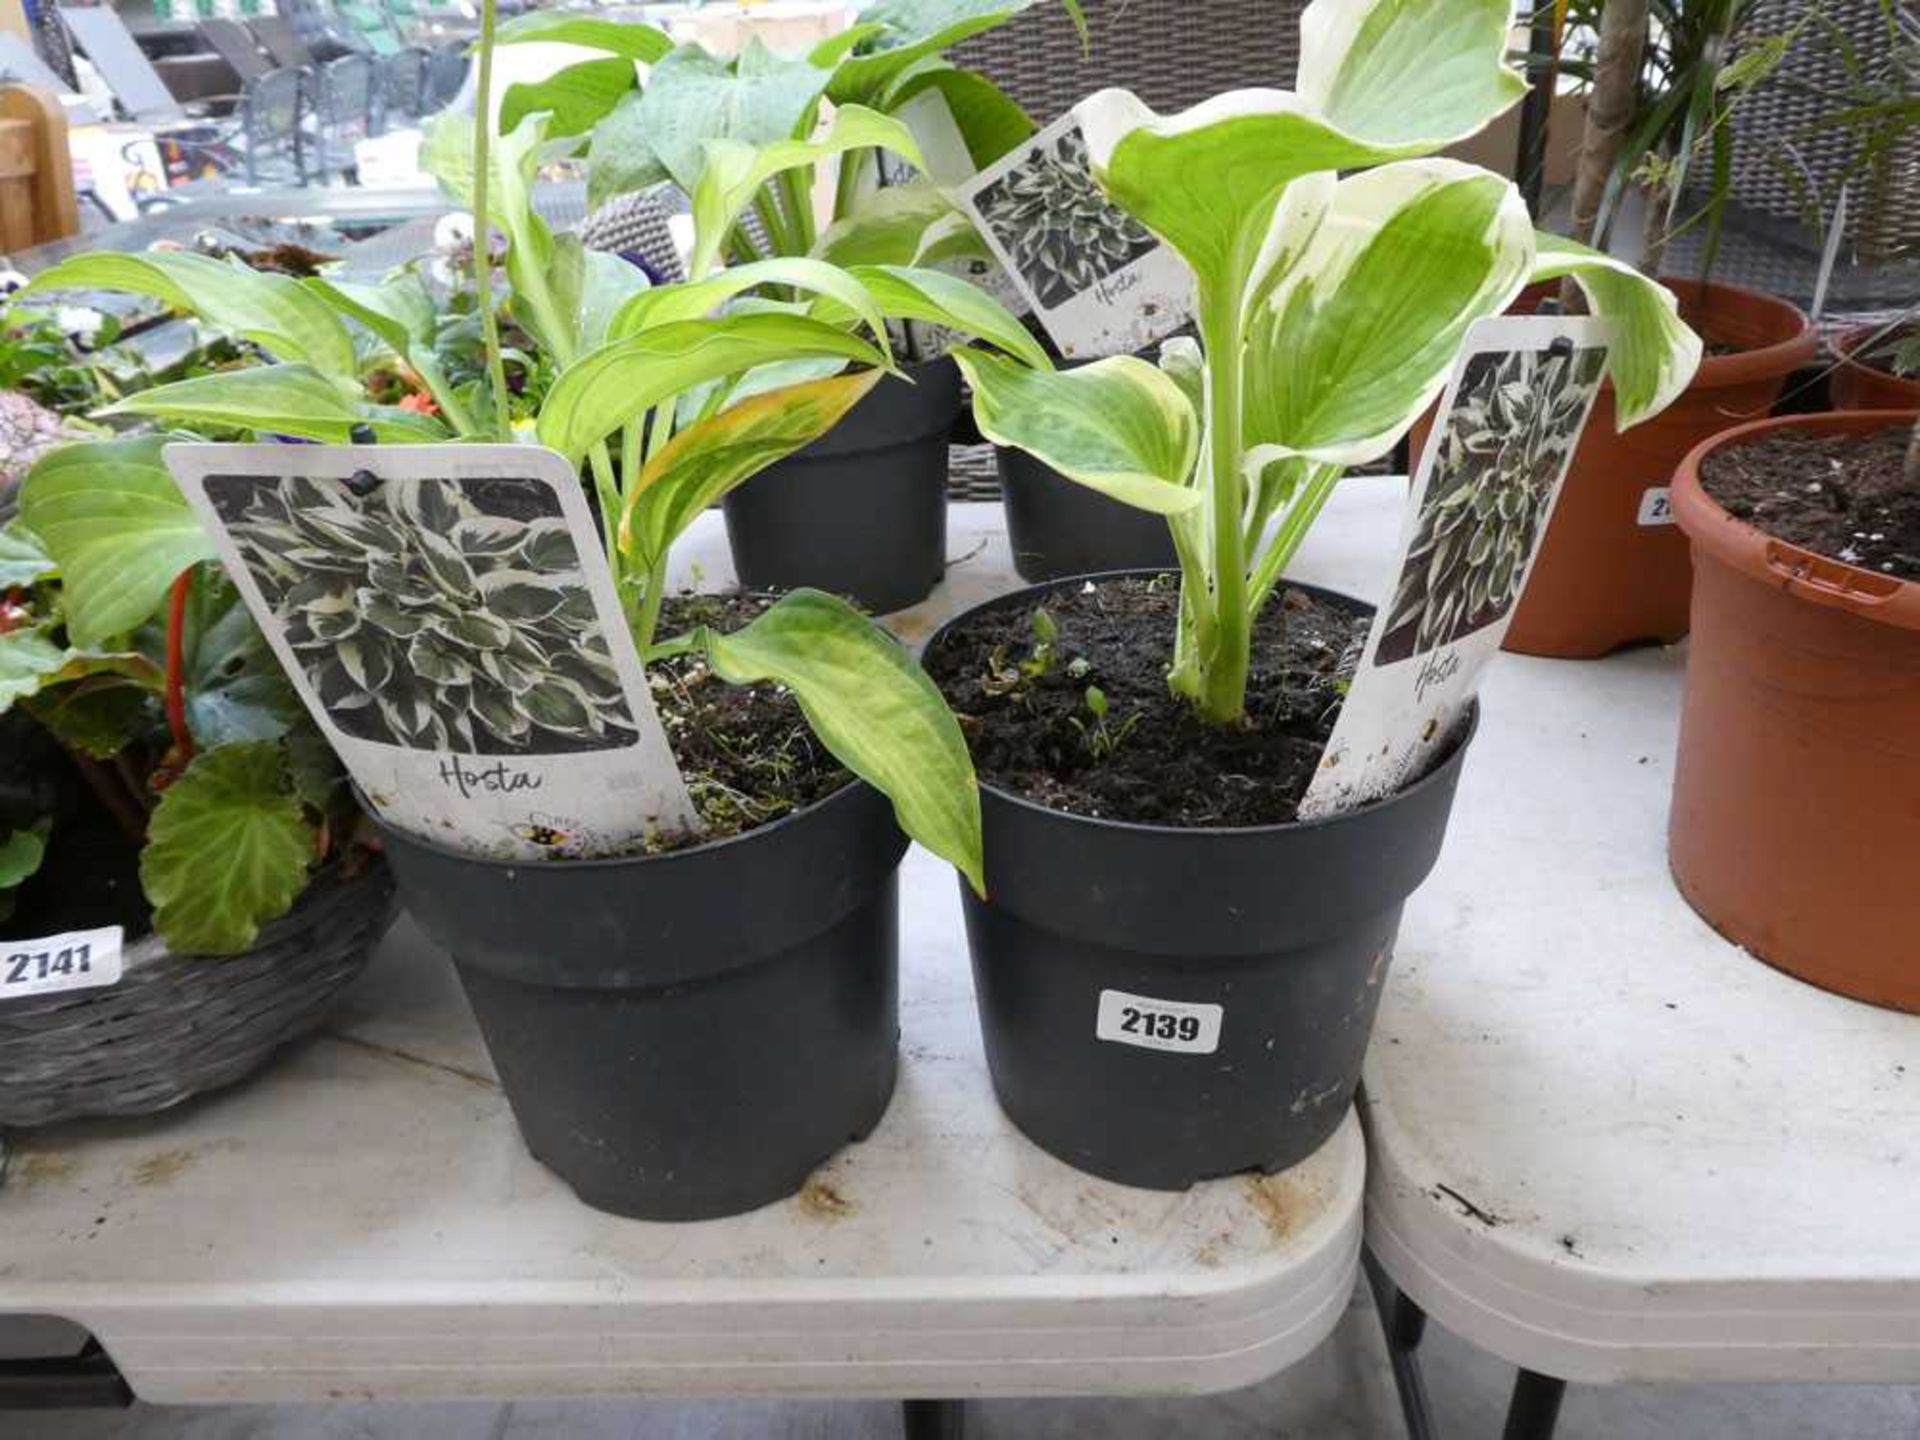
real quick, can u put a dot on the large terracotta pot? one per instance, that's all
(1796, 800)
(1613, 569)
(1863, 387)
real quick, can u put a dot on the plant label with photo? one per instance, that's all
(76, 960)
(1481, 499)
(448, 616)
(1098, 280)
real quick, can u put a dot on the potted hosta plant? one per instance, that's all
(1792, 831)
(1660, 125)
(182, 887)
(688, 1027)
(1176, 975)
(861, 512)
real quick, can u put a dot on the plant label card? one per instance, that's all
(76, 960)
(1481, 498)
(447, 614)
(1098, 280)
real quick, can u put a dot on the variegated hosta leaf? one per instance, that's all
(110, 516)
(227, 850)
(705, 461)
(1654, 355)
(695, 299)
(732, 172)
(1118, 426)
(908, 293)
(422, 620)
(276, 312)
(899, 225)
(1380, 80)
(623, 380)
(873, 707)
(1352, 333)
(277, 400)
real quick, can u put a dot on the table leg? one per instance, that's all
(933, 1419)
(1403, 1323)
(1535, 1408)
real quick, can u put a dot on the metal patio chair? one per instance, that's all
(343, 100)
(402, 88)
(273, 120)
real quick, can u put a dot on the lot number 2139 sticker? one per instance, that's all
(1177, 1025)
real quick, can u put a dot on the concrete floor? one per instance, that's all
(1341, 1392)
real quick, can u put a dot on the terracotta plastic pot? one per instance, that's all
(1857, 386)
(1796, 801)
(1613, 569)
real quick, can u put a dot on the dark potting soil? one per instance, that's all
(1841, 496)
(746, 751)
(1150, 761)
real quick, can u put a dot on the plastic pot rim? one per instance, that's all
(1464, 734)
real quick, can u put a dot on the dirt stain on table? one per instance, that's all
(1286, 1203)
(819, 1200)
(44, 1167)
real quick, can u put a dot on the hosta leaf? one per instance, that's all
(696, 299)
(620, 160)
(1654, 354)
(277, 400)
(906, 293)
(521, 596)
(989, 120)
(622, 380)
(1400, 71)
(118, 527)
(1118, 426)
(276, 312)
(1354, 333)
(227, 850)
(629, 39)
(555, 706)
(577, 97)
(706, 460)
(399, 310)
(22, 558)
(732, 171)
(873, 707)
(907, 32)
(891, 227)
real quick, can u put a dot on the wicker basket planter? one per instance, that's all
(174, 1025)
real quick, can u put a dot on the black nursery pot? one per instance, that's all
(689, 1035)
(1096, 928)
(862, 511)
(1058, 528)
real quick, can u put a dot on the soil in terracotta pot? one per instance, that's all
(1842, 496)
(1025, 710)
(747, 752)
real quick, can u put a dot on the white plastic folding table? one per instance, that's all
(1604, 1143)
(362, 1221)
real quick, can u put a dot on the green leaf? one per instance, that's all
(22, 560)
(706, 460)
(577, 98)
(873, 707)
(235, 688)
(227, 850)
(912, 31)
(99, 715)
(276, 312)
(1395, 72)
(622, 380)
(29, 659)
(1117, 426)
(938, 298)
(1351, 334)
(695, 299)
(631, 40)
(399, 310)
(732, 172)
(21, 852)
(118, 527)
(1654, 354)
(989, 120)
(592, 288)
(692, 99)
(893, 226)
(277, 400)
(619, 158)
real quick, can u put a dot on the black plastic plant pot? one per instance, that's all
(689, 1035)
(861, 512)
(1058, 528)
(1162, 1006)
